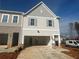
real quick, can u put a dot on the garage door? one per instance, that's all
(36, 40)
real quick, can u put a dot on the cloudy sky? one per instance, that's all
(68, 10)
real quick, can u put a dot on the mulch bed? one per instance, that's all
(9, 55)
(73, 52)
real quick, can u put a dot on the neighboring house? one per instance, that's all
(38, 26)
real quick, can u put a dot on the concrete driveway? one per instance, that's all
(42, 52)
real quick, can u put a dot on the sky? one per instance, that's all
(68, 10)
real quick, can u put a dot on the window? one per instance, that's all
(70, 41)
(49, 22)
(15, 19)
(75, 43)
(55, 36)
(5, 18)
(33, 22)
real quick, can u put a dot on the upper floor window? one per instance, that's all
(49, 22)
(5, 18)
(32, 22)
(15, 19)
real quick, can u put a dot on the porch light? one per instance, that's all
(38, 31)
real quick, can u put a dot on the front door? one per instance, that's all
(15, 39)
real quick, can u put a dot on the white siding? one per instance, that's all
(41, 26)
(40, 11)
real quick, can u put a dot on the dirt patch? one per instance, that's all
(8, 55)
(73, 52)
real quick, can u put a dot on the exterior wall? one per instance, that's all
(10, 20)
(10, 37)
(41, 27)
(9, 29)
(41, 14)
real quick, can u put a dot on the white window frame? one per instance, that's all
(17, 19)
(7, 18)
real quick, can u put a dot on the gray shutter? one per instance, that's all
(47, 23)
(29, 22)
(53, 23)
(35, 22)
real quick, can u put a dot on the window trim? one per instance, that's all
(7, 18)
(17, 19)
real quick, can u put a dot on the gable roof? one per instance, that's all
(22, 13)
(38, 6)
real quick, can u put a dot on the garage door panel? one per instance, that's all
(43, 40)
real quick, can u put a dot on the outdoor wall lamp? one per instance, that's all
(38, 31)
